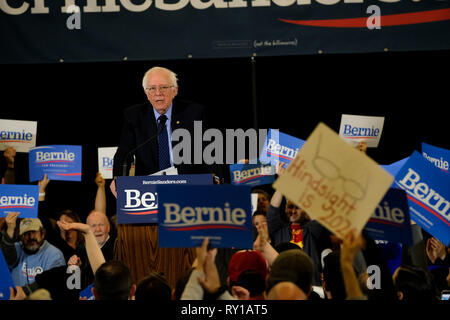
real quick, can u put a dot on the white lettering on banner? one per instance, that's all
(440, 163)
(360, 132)
(246, 174)
(16, 135)
(277, 149)
(17, 201)
(18, 7)
(422, 192)
(135, 201)
(189, 216)
(54, 156)
(385, 213)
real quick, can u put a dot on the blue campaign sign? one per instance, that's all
(19, 198)
(137, 196)
(440, 157)
(390, 220)
(280, 147)
(188, 214)
(395, 167)
(5, 279)
(252, 174)
(428, 193)
(86, 293)
(59, 162)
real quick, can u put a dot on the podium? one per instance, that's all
(137, 230)
(137, 247)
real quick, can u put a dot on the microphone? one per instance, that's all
(124, 164)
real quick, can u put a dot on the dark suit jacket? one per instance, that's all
(140, 124)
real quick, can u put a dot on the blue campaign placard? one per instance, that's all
(137, 196)
(252, 174)
(59, 162)
(5, 279)
(440, 157)
(390, 220)
(280, 147)
(428, 194)
(188, 214)
(19, 198)
(86, 293)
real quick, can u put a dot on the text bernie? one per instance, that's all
(422, 192)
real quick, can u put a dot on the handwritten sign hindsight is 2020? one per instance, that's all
(334, 183)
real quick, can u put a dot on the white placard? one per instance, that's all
(106, 161)
(361, 128)
(19, 134)
(254, 202)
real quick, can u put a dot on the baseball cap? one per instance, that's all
(293, 266)
(246, 260)
(29, 224)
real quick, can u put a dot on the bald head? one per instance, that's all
(99, 223)
(286, 291)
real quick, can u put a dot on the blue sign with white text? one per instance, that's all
(390, 220)
(5, 279)
(137, 196)
(19, 198)
(59, 162)
(280, 147)
(188, 214)
(252, 174)
(440, 157)
(428, 193)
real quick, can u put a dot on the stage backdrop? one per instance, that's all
(111, 30)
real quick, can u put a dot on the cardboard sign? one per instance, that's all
(6, 280)
(390, 221)
(188, 214)
(428, 193)
(106, 161)
(440, 157)
(59, 162)
(18, 134)
(280, 147)
(361, 128)
(334, 183)
(137, 196)
(252, 174)
(19, 198)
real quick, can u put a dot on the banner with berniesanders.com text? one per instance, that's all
(69, 31)
(59, 162)
(428, 193)
(138, 196)
(188, 214)
(19, 198)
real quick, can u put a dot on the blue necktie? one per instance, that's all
(163, 142)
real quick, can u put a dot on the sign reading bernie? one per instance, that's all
(334, 183)
(361, 128)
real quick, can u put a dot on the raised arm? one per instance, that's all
(94, 253)
(100, 198)
(349, 248)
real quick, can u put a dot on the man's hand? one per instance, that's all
(350, 247)
(279, 169)
(99, 181)
(74, 261)
(9, 154)
(435, 249)
(11, 220)
(43, 184)
(18, 295)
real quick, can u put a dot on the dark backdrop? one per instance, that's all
(82, 103)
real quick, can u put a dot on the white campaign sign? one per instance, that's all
(21, 135)
(106, 161)
(361, 128)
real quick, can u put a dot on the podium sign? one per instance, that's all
(137, 197)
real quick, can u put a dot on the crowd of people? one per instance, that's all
(56, 256)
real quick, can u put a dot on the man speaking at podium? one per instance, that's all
(148, 127)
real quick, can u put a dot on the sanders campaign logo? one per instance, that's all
(196, 218)
(16, 136)
(249, 174)
(360, 133)
(137, 204)
(17, 201)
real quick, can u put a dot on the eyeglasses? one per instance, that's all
(162, 89)
(330, 171)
